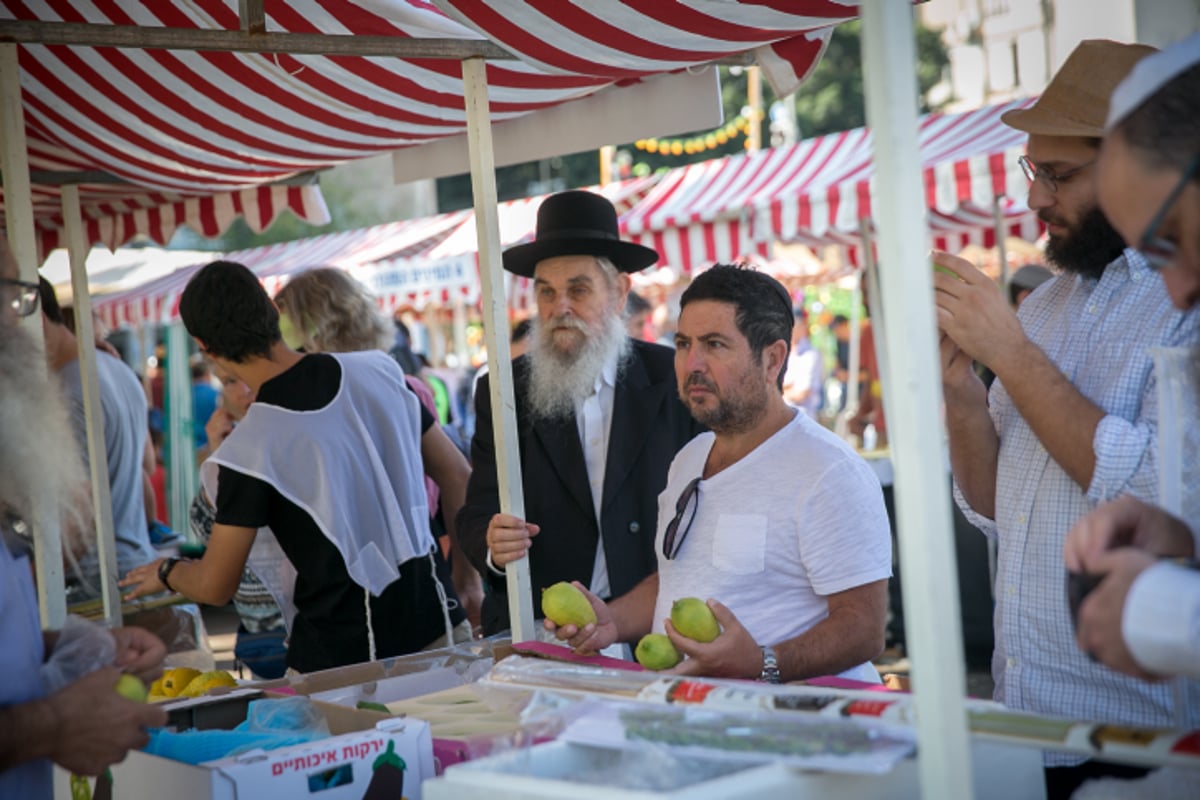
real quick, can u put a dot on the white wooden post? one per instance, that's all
(85, 335)
(495, 323)
(923, 506)
(181, 466)
(18, 213)
(1001, 235)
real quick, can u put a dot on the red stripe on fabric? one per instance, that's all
(686, 18)
(154, 225)
(710, 240)
(996, 167)
(605, 34)
(34, 106)
(207, 218)
(962, 180)
(214, 130)
(511, 35)
(834, 197)
(802, 53)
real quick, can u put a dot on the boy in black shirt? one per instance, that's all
(328, 458)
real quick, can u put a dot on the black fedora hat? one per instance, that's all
(577, 223)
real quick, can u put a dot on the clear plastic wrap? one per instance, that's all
(291, 715)
(82, 647)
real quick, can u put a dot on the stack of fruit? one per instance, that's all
(187, 682)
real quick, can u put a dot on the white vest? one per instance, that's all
(354, 466)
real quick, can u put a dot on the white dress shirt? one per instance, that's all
(593, 417)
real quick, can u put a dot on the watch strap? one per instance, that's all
(770, 667)
(164, 571)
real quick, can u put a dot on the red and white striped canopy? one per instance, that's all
(176, 125)
(457, 256)
(817, 191)
(158, 300)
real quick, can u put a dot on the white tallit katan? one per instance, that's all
(354, 466)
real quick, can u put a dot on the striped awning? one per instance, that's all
(156, 137)
(816, 192)
(158, 300)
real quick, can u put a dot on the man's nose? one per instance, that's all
(1040, 195)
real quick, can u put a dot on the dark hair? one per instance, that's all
(521, 330)
(49, 301)
(228, 310)
(635, 304)
(763, 308)
(1163, 128)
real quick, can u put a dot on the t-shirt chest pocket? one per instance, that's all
(740, 543)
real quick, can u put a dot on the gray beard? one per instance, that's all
(557, 380)
(40, 465)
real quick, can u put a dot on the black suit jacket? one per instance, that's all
(649, 426)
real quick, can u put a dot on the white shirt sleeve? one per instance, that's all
(1161, 620)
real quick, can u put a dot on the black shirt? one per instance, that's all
(330, 625)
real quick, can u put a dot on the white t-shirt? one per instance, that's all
(799, 518)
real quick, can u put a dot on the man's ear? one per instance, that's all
(775, 357)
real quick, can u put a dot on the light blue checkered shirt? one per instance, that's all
(1099, 334)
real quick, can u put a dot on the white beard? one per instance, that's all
(41, 470)
(557, 380)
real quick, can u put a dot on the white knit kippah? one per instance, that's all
(1151, 74)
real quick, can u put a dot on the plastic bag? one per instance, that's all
(82, 647)
(294, 716)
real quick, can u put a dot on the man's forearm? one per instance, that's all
(633, 612)
(27, 732)
(974, 451)
(843, 640)
(1063, 420)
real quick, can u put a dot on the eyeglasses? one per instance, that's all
(672, 539)
(1049, 178)
(1159, 252)
(21, 296)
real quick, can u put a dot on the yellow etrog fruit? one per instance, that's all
(563, 604)
(202, 683)
(692, 617)
(656, 652)
(174, 680)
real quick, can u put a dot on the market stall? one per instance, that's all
(817, 192)
(721, 28)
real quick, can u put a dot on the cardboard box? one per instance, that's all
(356, 763)
(463, 659)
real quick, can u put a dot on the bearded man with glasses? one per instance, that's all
(1143, 617)
(1072, 418)
(770, 517)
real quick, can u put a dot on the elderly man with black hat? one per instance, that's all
(1072, 418)
(597, 414)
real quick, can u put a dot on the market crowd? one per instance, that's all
(653, 471)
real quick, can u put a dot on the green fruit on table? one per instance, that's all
(692, 617)
(131, 688)
(656, 652)
(563, 604)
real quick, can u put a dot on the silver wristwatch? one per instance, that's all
(770, 668)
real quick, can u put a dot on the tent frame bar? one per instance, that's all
(322, 44)
(87, 34)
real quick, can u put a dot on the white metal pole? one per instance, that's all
(925, 532)
(93, 413)
(495, 324)
(870, 280)
(181, 466)
(1001, 235)
(18, 214)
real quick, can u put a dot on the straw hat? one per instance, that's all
(1076, 101)
(577, 223)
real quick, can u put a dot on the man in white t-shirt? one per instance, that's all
(769, 517)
